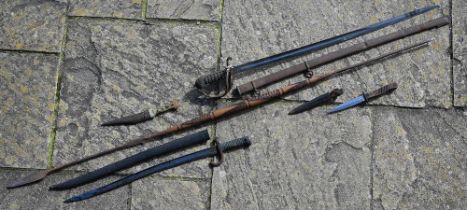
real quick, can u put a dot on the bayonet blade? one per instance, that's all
(350, 103)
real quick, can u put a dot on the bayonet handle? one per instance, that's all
(243, 142)
(381, 91)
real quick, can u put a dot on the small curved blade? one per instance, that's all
(29, 179)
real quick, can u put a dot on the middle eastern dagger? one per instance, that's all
(318, 101)
(142, 116)
(209, 152)
(364, 98)
(165, 149)
(213, 115)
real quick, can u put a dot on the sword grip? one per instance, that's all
(210, 79)
(383, 90)
(239, 143)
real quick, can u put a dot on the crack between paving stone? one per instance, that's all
(144, 9)
(182, 178)
(130, 196)
(58, 86)
(29, 51)
(147, 20)
(219, 62)
(451, 52)
(372, 160)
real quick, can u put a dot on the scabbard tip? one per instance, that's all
(72, 199)
(292, 113)
(56, 188)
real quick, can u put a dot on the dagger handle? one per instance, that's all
(243, 142)
(383, 90)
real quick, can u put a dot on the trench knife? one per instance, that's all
(365, 97)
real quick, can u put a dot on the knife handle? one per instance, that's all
(243, 142)
(381, 91)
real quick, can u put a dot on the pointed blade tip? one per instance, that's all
(71, 200)
(54, 188)
(293, 112)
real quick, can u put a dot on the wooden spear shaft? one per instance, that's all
(211, 116)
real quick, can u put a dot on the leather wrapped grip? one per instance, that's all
(210, 79)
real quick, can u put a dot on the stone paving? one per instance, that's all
(67, 66)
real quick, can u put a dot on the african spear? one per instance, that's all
(219, 83)
(211, 116)
(209, 152)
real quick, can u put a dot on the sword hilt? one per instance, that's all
(381, 91)
(239, 143)
(209, 79)
(217, 84)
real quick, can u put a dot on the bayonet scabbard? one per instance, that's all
(243, 142)
(165, 149)
(318, 101)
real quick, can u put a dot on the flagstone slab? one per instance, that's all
(253, 30)
(32, 24)
(185, 9)
(306, 161)
(38, 197)
(27, 95)
(420, 159)
(116, 68)
(459, 34)
(159, 193)
(107, 8)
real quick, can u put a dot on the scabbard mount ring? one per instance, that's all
(308, 72)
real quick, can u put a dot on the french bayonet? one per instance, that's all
(365, 98)
(210, 152)
(219, 83)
